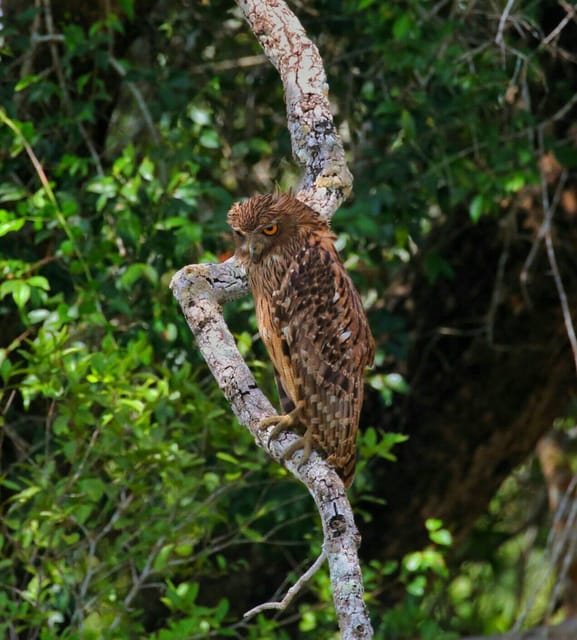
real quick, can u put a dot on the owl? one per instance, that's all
(311, 321)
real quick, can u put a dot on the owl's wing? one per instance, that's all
(326, 344)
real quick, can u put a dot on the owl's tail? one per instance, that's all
(344, 464)
(347, 470)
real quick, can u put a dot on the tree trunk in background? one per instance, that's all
(476, 408)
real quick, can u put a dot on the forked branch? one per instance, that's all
(201, 291)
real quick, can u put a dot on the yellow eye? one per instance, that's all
(271, 230)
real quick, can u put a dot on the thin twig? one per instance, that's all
(556, 545)
(92, 548)
(570, 13)
(47, 188)
(292, 592)
(228, 65)
(566, 547)
(567, 319)
(28, 58)
(496, 298)
(52, 43)
(138, 98)
(549, 211)
(502, 22)
(41, 39)
(144, 110)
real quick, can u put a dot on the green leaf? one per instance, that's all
(19, 290)
(408, 124)
(163, 557)
(146, 169)
(476, 207)
(184, 550)
(38, 315)
(135, 272)
(403, 26)
(170, 223)
(11, 192)
(433, 524)
(222, 455)
(416, 587)
(209, 139)
(40, 282)
(397, 382)
(26, 494)
(27, 81)
(94, 488)
(442, 537)
(11, 226)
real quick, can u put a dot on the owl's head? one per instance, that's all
(265, 224)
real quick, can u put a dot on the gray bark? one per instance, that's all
(202, 289)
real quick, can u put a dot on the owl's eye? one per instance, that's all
(271, 230)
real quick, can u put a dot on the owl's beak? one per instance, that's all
(254, 250)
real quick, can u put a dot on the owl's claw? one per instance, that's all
(305, 443)
(283, 423)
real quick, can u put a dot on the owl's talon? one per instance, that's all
(283, 423)
(305, 443)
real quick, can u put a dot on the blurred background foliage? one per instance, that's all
(132, 503)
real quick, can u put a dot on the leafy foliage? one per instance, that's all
(132, 504)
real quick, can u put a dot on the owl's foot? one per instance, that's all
(284, 423)
(305, 443)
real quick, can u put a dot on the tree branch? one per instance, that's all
(202, 289)
(292, 592)
(316, 145)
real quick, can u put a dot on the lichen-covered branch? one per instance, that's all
(202, 289)
(316, 145)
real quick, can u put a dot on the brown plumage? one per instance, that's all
(311, 321)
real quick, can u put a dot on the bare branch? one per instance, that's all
(549, 210)
(138, 98)
(226, 65)
(292, 592)
(503, 22)
(557, 30)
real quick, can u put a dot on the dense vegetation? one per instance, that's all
(132, 504)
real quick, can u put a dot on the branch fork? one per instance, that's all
(203, 289)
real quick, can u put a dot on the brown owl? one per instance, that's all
(311, 320)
